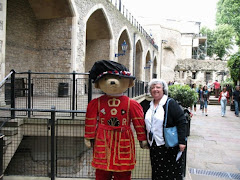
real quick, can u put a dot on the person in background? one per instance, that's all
(235, 98)
(194, 87)
(216, 88)
(204, 99)
(223, 99)
(200, 96)
(163, 159)
(229, 89)
(209, 86)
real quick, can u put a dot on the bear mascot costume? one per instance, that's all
(108, 120)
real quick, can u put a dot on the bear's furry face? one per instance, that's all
(111, 84)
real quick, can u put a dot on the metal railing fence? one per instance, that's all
(65, 91)
(39, 141)
(52, 147)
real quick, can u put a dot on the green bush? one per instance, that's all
(183, 94)
(228, 81)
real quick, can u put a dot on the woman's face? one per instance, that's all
(157, 91)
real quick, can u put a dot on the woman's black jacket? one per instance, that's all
(177, 118)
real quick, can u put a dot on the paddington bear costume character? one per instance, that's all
(108, 121)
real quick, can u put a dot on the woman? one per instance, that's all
(204, 99)
(223, 99)
(163, 159)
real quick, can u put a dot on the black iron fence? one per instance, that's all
(65, 91)
(49, 142)
(52, 147)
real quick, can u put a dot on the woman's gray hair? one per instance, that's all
(158, 81)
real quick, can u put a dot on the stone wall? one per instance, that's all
(21, 41)
(3, 5)
(36, 45)
(54, 45)
(205, 70)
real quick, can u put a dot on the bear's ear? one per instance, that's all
(131, 83)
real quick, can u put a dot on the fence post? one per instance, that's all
(1, 156)
(73, 93)
(53, 143)
(29, 92)
(13, 94)
(89, 89)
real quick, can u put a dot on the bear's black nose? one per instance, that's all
(112, 82)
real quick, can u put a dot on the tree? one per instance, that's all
(234, 67)
(210, 40)
(223, 37)
(220, 40)
(228, 12)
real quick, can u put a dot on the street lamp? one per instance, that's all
(124, 49)
(162, 42)
(148, 64)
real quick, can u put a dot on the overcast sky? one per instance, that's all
(203, 11)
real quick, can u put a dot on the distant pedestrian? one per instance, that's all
(229, 89)
(216, 88)
(204, 99)
(223, 99)
(209, 86)
(194, 87)
(200, 96)
(235, 98)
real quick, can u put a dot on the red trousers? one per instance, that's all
(109, 175)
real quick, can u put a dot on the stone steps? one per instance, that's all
(12, 138)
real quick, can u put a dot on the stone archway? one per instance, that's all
(38, 36)
(138, 63)
(155, 68)
(148, 67)
(125, 60)
(98, 38)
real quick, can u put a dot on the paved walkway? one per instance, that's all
(214, 145)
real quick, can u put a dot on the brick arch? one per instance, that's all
(124, 36)
(138, 64)
(98, 38)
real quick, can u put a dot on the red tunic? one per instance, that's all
(108, 121)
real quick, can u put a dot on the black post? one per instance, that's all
(1, 156)
(73, 93)
(29, 92)
(53, 150)
(89, 89)
(13, 94)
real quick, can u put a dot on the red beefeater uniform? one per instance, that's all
(108, 121)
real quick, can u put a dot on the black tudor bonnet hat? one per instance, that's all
(104, 67)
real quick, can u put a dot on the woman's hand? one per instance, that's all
(182, 147)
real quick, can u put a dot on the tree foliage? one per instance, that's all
(223, 37)
(210, 40)
(228, 12)
(234, 66)
(219, 40)
(183, 94)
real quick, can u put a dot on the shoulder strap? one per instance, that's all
(166, 113)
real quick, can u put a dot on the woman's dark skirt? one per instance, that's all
(164, 164)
